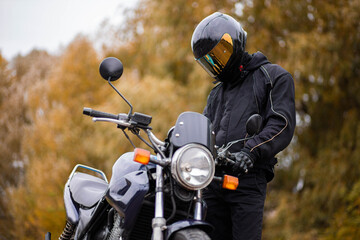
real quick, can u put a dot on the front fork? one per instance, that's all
(198, 210)
(159, 222)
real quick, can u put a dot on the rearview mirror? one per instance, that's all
(254, 124)
(111, 69)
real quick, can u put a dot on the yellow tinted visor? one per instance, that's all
(215, 61)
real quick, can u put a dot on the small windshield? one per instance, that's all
(192, 127)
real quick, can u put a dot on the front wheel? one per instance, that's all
(191, 234)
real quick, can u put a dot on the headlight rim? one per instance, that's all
(176, 172)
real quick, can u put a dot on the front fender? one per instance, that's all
(176, 226)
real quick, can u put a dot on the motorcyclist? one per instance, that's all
(247, 84)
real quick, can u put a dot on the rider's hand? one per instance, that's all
(243, 162)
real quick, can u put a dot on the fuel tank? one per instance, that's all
(127, 188)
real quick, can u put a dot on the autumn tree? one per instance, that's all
(17, 80)
(9, 147)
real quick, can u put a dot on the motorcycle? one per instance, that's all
(150, 196)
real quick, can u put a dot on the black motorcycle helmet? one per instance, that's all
(218, 44)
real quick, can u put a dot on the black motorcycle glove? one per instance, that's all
(243, 162)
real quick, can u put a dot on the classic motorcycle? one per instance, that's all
(150, 196)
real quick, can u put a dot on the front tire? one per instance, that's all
(191, 234)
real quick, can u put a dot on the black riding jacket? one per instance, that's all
(259, 87)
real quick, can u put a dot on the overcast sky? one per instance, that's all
(49, 24)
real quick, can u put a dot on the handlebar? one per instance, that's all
(123, 120)
(94, 113)
(121, 123)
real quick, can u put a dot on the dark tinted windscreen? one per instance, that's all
(192, 127)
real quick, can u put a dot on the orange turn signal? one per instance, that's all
(141, 156)
(230, 182)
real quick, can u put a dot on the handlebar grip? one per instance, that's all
(94, 113)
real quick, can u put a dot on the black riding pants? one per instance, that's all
(237, 215)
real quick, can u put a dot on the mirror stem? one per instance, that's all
(131, 107)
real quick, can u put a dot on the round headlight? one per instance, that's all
(193, 166)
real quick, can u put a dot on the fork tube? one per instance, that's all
(159, 222)
(159, 198)
(198, 206)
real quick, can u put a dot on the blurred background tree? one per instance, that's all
(9, 147)
(316, 191)
(15, 82)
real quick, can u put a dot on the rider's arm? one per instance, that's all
(279, 119)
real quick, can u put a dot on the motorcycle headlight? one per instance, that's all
(193, 166)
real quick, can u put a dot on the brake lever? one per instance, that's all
(224, 157)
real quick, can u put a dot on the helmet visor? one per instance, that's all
(215, 61)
